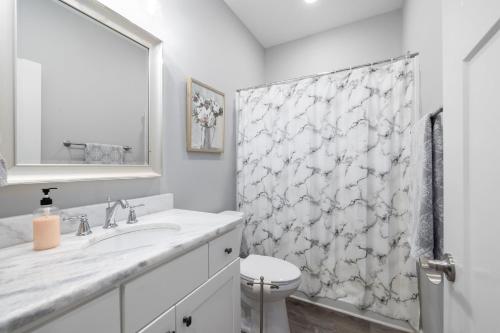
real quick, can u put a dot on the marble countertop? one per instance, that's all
(36, 284)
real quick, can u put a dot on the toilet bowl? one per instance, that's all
(280, 273)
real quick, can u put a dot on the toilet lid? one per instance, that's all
(272, 269)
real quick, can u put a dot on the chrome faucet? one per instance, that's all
(84, 226)
(111, 212)
(132, 216)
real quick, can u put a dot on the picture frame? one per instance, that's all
(206, 107)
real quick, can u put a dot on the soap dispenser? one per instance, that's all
(46, 223)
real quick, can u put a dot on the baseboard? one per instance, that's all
(351, 310)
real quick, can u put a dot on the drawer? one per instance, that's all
(224, 250)
(165, 323)
(151, 294)
(99, 315)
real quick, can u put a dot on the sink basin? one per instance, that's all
(133, 237)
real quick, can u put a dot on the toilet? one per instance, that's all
(276, 271)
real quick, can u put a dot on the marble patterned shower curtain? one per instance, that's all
(322, 177)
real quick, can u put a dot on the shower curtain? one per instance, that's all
(322, 177)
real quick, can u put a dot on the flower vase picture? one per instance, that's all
(205, 118)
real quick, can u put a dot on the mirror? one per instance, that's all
(74, 104)
(82, 96)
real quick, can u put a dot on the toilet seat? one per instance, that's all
(274, 270)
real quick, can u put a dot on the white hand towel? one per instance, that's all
(99, 153)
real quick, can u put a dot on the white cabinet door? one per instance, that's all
(99, 315)
(215, 306)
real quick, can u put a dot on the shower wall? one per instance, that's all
(373, 39)
(427, 39)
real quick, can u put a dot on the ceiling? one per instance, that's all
(274, 22)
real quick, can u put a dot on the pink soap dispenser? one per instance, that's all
(46, 224)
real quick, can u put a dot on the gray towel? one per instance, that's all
(99, 153)
(426, 226)
(3, 171)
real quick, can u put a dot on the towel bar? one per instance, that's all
(69, 144)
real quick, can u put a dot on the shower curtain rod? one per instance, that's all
(405, 56)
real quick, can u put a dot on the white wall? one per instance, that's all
(422, 33)
(202, 39)
(373, 39)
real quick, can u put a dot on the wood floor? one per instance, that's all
(309, 318)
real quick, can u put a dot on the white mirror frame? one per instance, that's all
(48, 173)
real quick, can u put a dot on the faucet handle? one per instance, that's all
(84, 226)
(132, 216)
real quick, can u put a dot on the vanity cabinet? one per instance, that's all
(202, 289)
(197, 292)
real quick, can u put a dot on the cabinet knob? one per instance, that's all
(228, 250)
(187, 321)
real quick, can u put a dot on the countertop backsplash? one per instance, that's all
(18, 229)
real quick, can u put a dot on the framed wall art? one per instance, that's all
(205, 118)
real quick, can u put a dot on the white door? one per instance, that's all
(471, 60)
(214, 307)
